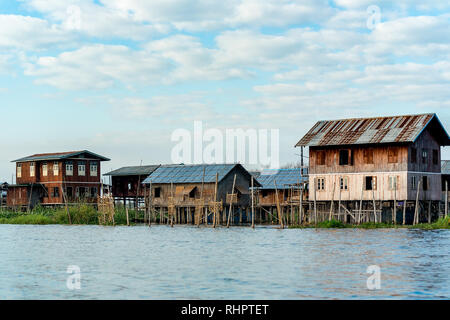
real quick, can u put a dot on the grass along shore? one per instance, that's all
(79, 214)
(442, 223)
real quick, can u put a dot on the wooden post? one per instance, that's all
(231, 201)
(446, 198)
(215, 199)
(429, 211)
(394, 212)
(416, 211)
(253, 207)
(340, 201)
(315, 202)
(150, 205)
(361, 203)
(374, 205)
(128, 219)
(404, 212)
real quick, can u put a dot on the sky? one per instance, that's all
(117, 77)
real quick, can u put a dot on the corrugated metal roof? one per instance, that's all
(59, 156)
(133, 171)
(445, 167)
(283, 178)
(396, 129)
(191, 173)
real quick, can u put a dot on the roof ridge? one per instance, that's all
(380, 117)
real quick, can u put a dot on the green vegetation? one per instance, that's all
(442, 223)
(79, 214)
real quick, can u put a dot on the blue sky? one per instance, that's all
(118, 77)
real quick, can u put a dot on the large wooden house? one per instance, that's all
(56, 178)
(183, 185)
(376, 159)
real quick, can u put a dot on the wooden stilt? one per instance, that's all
(429, 211)
(253, 205)
(128, 218)
(416, 211)
(280, 213)
(404, 212)
(332, 202)
(230, 211)
(446, 198)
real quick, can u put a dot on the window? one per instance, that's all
(414, 183)
(425, 183)
(392, 155)
(157, 192)
(81, 169)
(32, 171)
(55, 193)
(44, 169)
(192, 193)
(393, 183)
(368, 156)
(82, 192)
(320, 160)
(265, 193)
(19, 170)
(344, 157)
(69, 192)
(371, 183)
(344, 183)
(413, 155)
(424, 156)
(93, 169)
(435, 157)
(93, 192)
(320, 184)
(55, 169)
(69, 169)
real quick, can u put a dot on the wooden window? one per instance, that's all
(413, 155)
(158, 192)
(368, 156)
(55, 169)
(82, 192)
(344, 157)
(93, 192)
(392, 155)
(435, 157)
(81, 169)
(69, 169)
(320, 160)
(425, 182)
(69, 192)
(265, 193)
(55, 193)
(320, 184)
(19, 170)
(32, 169)
(424, 156)
(393, 183)
(44, 169)
(344, 183)
(371, 183)
(93, 169)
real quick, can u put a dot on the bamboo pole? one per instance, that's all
(332, 201)
(394, 211)
(361, 203)
(280, 214)
(429, 211)
(231, 201)
(315, 202)
(253, 206)
(128, 219)
(374, 205)
(416, 211)
(150, 204)
(173, 199)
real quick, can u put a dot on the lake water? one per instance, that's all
(238, 263)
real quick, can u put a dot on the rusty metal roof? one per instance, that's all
(397, 129)
(61, 155)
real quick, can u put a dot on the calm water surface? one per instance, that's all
(237, 263)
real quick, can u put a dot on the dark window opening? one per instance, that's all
(157, 192)
(69, 192)
(265, 193)
(192, 193)
(344, 157)
(286, 194)
(425, 183)
(93, 192)
(424, 156)
(82, 192)
(369, 183)
(56, 192)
